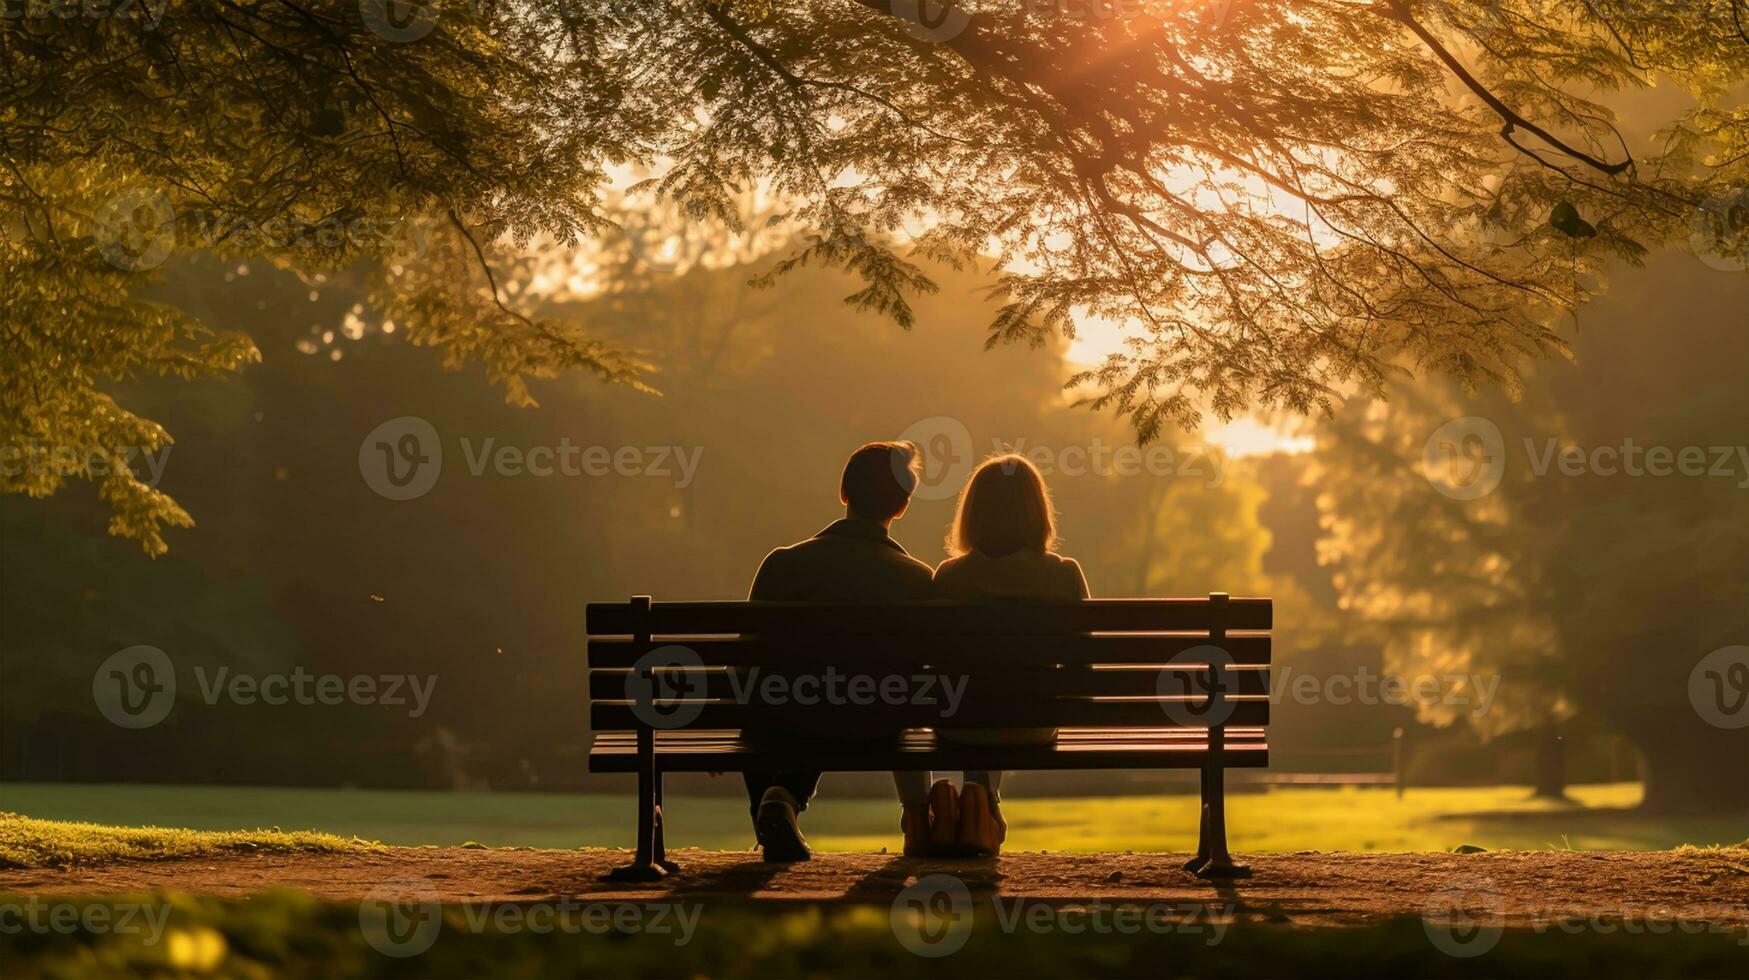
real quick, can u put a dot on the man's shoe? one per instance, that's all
(981, 831)
(775, 825)
(944, 817)
(914, 821)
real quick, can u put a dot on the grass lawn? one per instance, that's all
(1276, 820)
(26, 842)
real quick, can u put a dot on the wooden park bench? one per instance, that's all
(1130, 683)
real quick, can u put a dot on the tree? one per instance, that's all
(1282, 196)
(1591, 580)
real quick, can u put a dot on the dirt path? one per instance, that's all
(1520, 886)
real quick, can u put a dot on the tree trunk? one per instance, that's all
(1551, 764)
(1705, 773)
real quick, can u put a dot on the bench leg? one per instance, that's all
(1217, 863)
(660, 847)
(645, 866)
(1202, 825)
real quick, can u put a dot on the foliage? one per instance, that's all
(1589, 579)
(1191, 539)
(1286, 197)
(286, 933)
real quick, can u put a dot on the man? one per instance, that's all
(852, 560)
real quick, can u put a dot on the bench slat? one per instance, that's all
(877, 653)
(716, 683)
(1074, 749)
(974, 712)
(1087, 616)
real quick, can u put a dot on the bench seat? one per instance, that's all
(1075, 748)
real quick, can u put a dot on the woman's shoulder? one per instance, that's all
(1074, 580)
(948, 565)
(1063, 562)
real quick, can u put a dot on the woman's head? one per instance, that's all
(1005, 507)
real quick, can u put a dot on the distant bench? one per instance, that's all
(1131, 683)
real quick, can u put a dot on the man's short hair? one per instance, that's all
(879, 478)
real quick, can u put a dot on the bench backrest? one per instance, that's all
(1106, 663)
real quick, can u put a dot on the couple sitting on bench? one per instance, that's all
(1000, 549)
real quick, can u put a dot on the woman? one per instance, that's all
(999, 548)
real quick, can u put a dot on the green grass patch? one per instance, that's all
(26, 842)
(1280, 819)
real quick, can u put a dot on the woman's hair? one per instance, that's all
(1005, 507)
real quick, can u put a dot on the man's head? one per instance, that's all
(878, 480)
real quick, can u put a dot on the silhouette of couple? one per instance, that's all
(999, 547)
